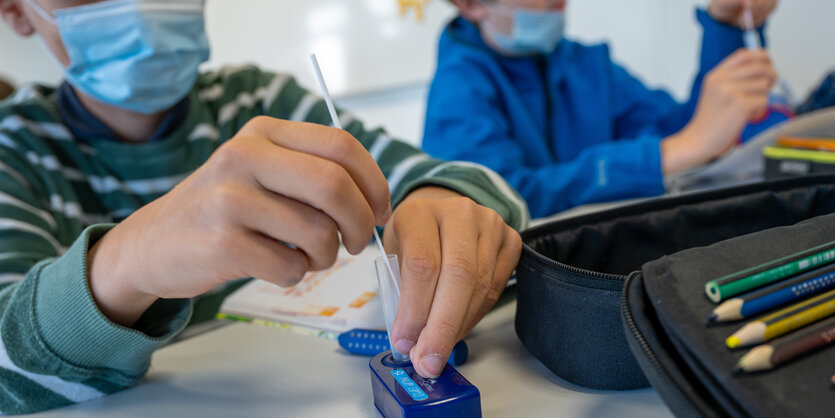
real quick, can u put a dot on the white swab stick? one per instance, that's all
(335, 118)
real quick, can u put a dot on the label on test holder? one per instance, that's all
(409, 385)
(400, 392)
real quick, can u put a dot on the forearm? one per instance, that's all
(612, 171)
(60, 348)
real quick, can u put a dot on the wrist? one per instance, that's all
(112, 287)
(681, 152)
(432, 192)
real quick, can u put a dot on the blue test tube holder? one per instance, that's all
(399, 392)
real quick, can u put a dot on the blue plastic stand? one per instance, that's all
(399, 392)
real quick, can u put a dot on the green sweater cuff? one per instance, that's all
(480, 184)
(70, 323)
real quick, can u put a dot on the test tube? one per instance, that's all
(750, 36)
(388, 279)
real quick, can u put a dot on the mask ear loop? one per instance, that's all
(51, 19)
(39, 10)
(503, 10)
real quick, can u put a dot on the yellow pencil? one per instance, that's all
(784, 321)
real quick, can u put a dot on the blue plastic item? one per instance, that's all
(399, 392)
(370, 342)
(821, 279)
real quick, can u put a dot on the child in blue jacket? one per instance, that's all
(564, 124)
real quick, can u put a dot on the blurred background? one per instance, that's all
(378, 63)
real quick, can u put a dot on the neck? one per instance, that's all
(128, 125)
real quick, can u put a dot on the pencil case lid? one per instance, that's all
(674, 312)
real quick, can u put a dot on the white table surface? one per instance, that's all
(253, 371)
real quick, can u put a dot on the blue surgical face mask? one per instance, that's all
(534, 31)
(140, 55)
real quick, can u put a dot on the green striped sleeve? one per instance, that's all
(56, 348)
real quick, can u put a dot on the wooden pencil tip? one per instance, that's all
(712, 318)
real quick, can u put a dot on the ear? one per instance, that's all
(12, 14)
(472, 10)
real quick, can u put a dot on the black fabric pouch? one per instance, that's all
(575, 314)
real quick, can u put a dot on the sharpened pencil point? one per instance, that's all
(732, 342)
(712, 318)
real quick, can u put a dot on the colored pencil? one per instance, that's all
(772, 271)
(790, 347)
(784, 321)
(775, 295)
(820, 144)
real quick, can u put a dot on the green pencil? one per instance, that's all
(772, 271)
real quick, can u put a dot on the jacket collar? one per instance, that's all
(468, 35)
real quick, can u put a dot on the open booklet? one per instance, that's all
(324, 303)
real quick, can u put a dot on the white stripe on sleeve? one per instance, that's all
(10, 200)
(402, 169)
(11, 277)
(14, 224)
(379, 146)
(304, 107)
(497, 181)
(75, 392)
(248, 99)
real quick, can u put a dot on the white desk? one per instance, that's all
(253, 371)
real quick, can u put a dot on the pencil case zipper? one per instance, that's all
(578, 276)
(633, 332)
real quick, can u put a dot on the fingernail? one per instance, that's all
(404, 346)
(432, 365)
(387, 213)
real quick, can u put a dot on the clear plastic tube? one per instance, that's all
(750, 36)
(388, 279)
(781, 93)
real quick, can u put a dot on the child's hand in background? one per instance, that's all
(730, 11)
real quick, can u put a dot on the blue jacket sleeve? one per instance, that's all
(468, 122)
(641, 110)
(638, 110)
(718, 42)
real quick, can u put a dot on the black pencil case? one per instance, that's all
(615, 300)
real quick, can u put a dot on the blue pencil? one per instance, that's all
(775, 295)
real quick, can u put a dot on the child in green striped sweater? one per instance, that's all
(139, 185)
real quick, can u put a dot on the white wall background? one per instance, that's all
(377, 63)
